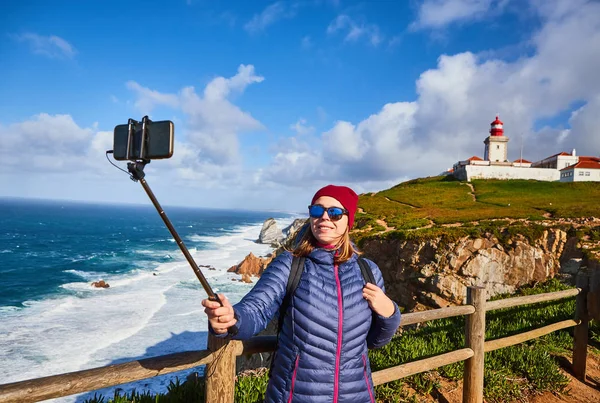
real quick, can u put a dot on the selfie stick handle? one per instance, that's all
(137, 173)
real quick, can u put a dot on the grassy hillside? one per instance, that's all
(444, 201)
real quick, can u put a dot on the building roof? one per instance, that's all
(474, 158)
(556, 155)
(497, 121)
(522, 161)
(586, 158)
(584, 165)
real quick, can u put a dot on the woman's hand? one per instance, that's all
(220, 317)
(380, 303)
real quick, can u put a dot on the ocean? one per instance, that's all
(53, 321)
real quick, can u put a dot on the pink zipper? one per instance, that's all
(294, 379)
(339, 346)
(367, 379)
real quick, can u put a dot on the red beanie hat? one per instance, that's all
(346, 196)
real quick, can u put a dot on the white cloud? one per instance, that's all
(354, 30)
(270, 15)
(440, 13)
(51, 46)
(147, 99)
(213, 121)
(51, 143)
(301, 127)
(456, 102)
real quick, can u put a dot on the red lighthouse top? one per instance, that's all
(497, 127)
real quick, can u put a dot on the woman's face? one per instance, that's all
(326, 231)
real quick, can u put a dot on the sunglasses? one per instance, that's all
(334, 213)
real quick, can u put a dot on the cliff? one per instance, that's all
(436, 272)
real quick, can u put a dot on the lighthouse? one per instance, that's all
(496, 150)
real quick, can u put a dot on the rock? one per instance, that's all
(100, 284)
(270, 233)
(437, 273)
(294, 227)
(251, 265)
(246, 278)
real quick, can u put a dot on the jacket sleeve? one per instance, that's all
(382, 329)
(257, 308)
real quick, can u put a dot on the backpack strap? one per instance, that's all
(293, 281)
(366, 271)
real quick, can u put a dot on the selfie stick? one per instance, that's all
(136, 169)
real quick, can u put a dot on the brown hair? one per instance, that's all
(308, 243)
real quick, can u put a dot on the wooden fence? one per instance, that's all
(221, 354)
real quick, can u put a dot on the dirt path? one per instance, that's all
(384, 225)
(472, 193)
(399, 202)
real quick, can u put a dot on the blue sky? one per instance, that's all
(272, 100)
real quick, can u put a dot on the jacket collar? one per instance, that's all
(324, 256)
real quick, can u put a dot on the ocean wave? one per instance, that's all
(9, 308)
(87, 275)
(158, 300)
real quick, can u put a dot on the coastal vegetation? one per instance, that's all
(442, 205)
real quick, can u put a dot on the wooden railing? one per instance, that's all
(221, 354)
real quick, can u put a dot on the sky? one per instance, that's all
(273, 99)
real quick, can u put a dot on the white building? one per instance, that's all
(586, 170)
(563, 166)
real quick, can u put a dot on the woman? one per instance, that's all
(333, 316)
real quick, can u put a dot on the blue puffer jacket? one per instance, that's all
(322, 352)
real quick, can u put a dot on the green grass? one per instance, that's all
(443, 200)
(511, 373)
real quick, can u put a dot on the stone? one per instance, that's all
(100, 284)
(270, 233)
(251, 265)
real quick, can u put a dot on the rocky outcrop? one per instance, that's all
(436, 274)
(292, 229)
(251, 266)
(100, 284)
(270, 233)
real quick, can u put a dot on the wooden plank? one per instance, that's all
(35, 390)
(416, 367)
(530, 299)
(492, 345)
(580, 333)
(475, 339)
(424, 316)
(257, 344)
(220, 372)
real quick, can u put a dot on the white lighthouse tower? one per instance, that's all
(496, 150)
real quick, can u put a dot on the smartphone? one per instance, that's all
(146, 140)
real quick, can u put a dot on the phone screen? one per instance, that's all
(120, 140)
(160, 140)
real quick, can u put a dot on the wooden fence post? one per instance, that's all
(580, 333)
(475, 340)
(220, 373)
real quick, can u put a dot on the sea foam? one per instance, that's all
(144, 313)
